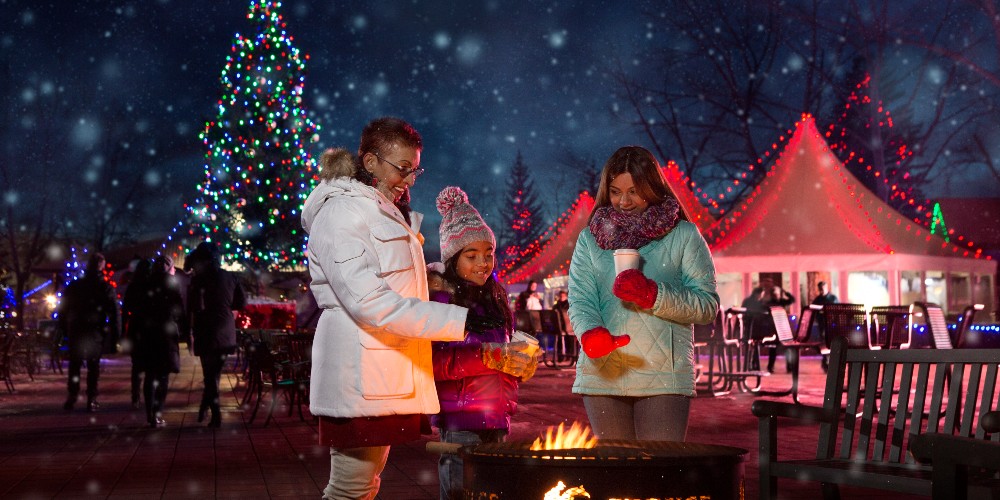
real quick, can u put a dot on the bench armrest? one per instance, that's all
(939, 448)
(762, 409)
(990, 421)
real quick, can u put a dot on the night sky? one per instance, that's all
(480, 80)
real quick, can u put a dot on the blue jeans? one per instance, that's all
(450, 467)
(651, 418)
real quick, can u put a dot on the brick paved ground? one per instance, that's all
(48, 453)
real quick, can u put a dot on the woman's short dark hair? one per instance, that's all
(379, 135)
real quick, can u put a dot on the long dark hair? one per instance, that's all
(492, 296)
(645, 171)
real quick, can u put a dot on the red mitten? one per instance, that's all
(599, 342)
(633, 286)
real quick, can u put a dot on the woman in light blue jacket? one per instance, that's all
(638, 375)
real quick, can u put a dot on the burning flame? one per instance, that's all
(576, 437)
(557, 493)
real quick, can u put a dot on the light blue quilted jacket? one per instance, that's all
(660, 358)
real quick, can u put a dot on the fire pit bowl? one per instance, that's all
(612, 470)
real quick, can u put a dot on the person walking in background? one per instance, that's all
(132, 321)
(476, 378)
(161, 320)
(372, 374)
(638, 384)
(213, 295)
(88, 314)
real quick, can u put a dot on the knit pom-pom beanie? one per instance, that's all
(461, 223)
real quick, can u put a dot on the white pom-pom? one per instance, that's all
(449, 198)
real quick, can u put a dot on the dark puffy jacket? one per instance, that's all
(160, 318)
(472, 396)
(212, 297)
(88, 314)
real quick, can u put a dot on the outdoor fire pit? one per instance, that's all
(610, 470)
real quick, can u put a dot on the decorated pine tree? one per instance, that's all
(522, 217)
(258, 171)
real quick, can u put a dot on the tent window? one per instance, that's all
(911, 287)
(730, 287)
(982, 290)
(960, 286)
(937, 289)
(870, 288)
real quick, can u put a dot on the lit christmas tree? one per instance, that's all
(522, 218)
(257, 169)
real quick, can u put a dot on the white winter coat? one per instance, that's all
(372, 351)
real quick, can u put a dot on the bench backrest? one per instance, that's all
(937, 326)
(781, 324)
(890, 326)
(806, 319)
(849, 321)
(783, 327)
(735, 328)
(528, 321)
(549, 322)
(885, 397)
(965, 320)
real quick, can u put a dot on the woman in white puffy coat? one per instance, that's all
(372, 381)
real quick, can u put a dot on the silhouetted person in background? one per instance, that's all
(88, 314)
(562, 301)
(212, 297)
(529, 299)
(776, 296)
(758, 314)
(162, 321)
(132, 321)
(824, 297)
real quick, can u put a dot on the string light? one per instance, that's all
(555, 243)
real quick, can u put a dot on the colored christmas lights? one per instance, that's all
(258, 171)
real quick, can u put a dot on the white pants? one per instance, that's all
(354, 472)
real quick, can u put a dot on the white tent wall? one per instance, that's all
(812, 215)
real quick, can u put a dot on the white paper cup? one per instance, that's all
(519, 336)
(626, 258)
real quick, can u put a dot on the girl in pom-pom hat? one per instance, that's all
(476, 378)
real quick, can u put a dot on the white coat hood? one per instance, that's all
(341, 186)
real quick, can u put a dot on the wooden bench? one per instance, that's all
(865, 431)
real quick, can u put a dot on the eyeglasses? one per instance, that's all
(403, 171)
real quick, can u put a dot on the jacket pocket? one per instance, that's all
(392, 245)
(355, 269)
(386, 373)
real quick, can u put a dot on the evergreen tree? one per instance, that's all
(872, 142)
(522, 216)
(257, 169)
